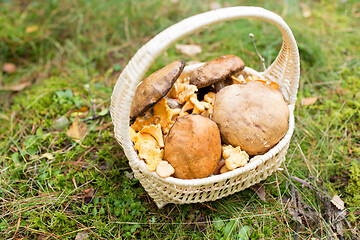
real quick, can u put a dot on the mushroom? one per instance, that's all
(141, 122)
(155, 87)
(253, 116)
(234, 157)
(173, 103)
(216, 70)
(219, 166)
(224, 169)
(165, 114)
(164, 169)
(274, 85)
(187, 93)
(209, 97)
(193, 147)
(148, 150)
(179, 85)
(155, 132)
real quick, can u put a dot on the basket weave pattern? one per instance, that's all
(285, 71)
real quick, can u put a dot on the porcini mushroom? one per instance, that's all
(193, 147)
(155, 87)
(216, 70)
(253, 116)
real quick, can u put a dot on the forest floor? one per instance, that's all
(61, 60)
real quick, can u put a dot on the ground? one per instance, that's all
(65, 59)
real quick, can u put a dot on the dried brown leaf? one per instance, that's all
(81, 236)
(82, 109)
(338, 203)
(215, 5)
(260, 190)
(306, 11)
(9, 67)
(189, 50)
(4, 117)
(308, 101)
(89, 192)
(16, 88)
(77, 129)
(31, 29)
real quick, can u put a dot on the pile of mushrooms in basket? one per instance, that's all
(205, 122)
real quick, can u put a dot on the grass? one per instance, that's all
(70, 53)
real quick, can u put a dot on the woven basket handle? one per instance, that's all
(284, 70)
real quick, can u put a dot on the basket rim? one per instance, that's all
(250, 166)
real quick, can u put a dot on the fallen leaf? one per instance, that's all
(9, 67)
(48, 156)
(259, 189)
(4, 117)
(189, 50)
(88, 194)
(61, 123)
(308, 101)
(81, 115)
(129, 175)
(82, 109)
(16, 88)
(81, 236)
(244, 233)
(77, 129)
(41, 237)
(306, 11)
(215, 5)
(31, 29)
(104, 112)
(338, 203)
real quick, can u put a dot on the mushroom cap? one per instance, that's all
(193, 147)
(253, 116)
(216, 70)
(155, 87)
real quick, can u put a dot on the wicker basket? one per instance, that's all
(285, 71)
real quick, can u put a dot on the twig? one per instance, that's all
(252, 36)
(302, 182)
(94, 117)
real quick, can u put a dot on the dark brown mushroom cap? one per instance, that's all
(193, 147)
(216, 70)
(155, 87)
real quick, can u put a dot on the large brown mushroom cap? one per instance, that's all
(216, 70)
(193, 147)
(155, 87)
(253, 116)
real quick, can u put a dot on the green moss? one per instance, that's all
(353, 189)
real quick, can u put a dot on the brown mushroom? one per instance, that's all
(219, 166)
(154, 87)
(193, 147)
(253, 116)
(216, 70)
